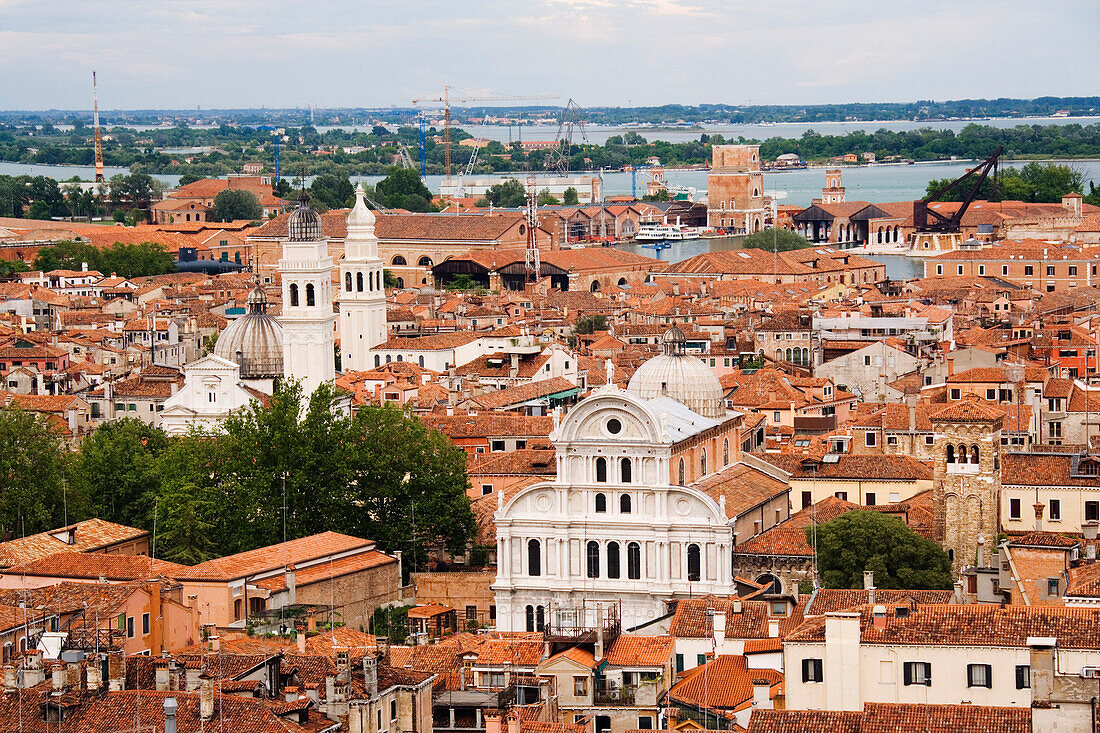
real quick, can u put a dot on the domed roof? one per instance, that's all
(254, 341)
(680, 376)
(304, 225)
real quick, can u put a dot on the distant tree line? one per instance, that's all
(126, 260)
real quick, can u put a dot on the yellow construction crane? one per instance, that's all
(446, 101)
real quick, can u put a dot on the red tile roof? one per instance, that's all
(724, 683)
(96, 565)
(895, 718)
(275, 556)
(632, 650)
(88, 536)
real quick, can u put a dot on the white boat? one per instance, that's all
(652, 231)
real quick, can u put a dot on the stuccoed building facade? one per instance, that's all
(619, 531)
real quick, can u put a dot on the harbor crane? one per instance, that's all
(944, 224)
(99, 177)
(557, 159)
(446, 100)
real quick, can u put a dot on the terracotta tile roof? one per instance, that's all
(95, 565)
(327, 570)
(971, 625)
(1044, 539)
(789, 538)
(763, 646)
(1042, 469)
(1084, 581)
(523, 462)
(275, 556)
(894, 718)
(632, 650)
(865, 468)
(827, 600)
(489, 424)
(524, 392)
(576, 654)
(691, 620)
(724, 683)
(431, 342)
(122, 710)
(895, 417)
(430, 610)
(87, 536)
(743, 488)
(71, 596)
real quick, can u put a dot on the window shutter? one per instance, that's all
(1019, 677)
(908, 673)
(927, 674)
(806, 670)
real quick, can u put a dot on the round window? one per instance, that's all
(614, 426)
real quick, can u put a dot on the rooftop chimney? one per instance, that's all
(761, 694)
(370, 674)
(1089, 528)
(869, 585)
(719, 625)
(291, 587)
(57, 677)
(169, 715)
(300, 637)
(773, 628)
(9, 679)
(206, 696)
(736, 607)
(879, 613)
(161, 675)
(1038, 506)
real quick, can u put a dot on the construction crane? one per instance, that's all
(276, 133)
(557, 159)
(531, 263)
(941, 223)
(99, 177)
(460, 189)
(446, 100)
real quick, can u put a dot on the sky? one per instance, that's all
(171, 54)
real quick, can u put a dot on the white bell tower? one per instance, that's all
(362, 294)
(308, 322)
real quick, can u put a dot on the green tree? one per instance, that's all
(403, 189)
(117, 470)
(232, 204)
(988, 191)
(661, 194)
(389, 280)
(33, 463)
(782, 240)
(1049, 182)
(508, 194)
(68, 256)
(866, 540)
(38, 210)
(545, 198)
(1093, 196)
(586, 325)
(187, 178)
(186, 528)
(332, 191)
(569, 197)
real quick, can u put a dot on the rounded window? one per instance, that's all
(614, 426)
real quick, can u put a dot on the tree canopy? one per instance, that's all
(127, 260)
(403, 189)
(507, 194)
(783, 240)
(236, 203)
(866, 540)
(33, 466)
(1034, 183)
(332, 191)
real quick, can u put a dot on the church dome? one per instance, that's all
(254, 341)
(304, 224)
(680, 376)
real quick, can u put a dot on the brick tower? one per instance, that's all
(833, 193)
(966, 493)
(735, 188)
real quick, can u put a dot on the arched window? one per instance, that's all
(974, 454)
(595, 286)
(779, 354)
(601, 470)
(347, 281)
(703, 462)
(788, 354)
(359, 281)
(961, 453)
(624, 504)
(633, 561)
(680, 476)
(530, 618)
(238, 605)
(311, 298)
(401, 357)
(540, 618)
(694, 562)
(950, 453)
(377, 360)
(601, 503)
(771, 583)
(398, 260)
(424, 262)
(613, 559)
(593, 551)
(294, 294)
(534, 558)
(726, 452)
(421, 360)
(625, 470)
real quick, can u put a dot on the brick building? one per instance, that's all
(735, 188)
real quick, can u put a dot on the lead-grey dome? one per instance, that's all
(304, 224)
(254, 341)
(680, 376)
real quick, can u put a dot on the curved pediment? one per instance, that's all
(610, 416)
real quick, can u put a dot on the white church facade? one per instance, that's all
(617, 534)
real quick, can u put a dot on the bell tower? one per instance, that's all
(833, 193)
(362, 294)
(308, 321)
(966, 491)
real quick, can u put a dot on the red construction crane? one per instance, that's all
(446, 100)
(98, 135)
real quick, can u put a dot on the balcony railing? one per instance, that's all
(624, 695)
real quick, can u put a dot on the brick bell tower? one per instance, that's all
(966, 493)
(833, 193)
